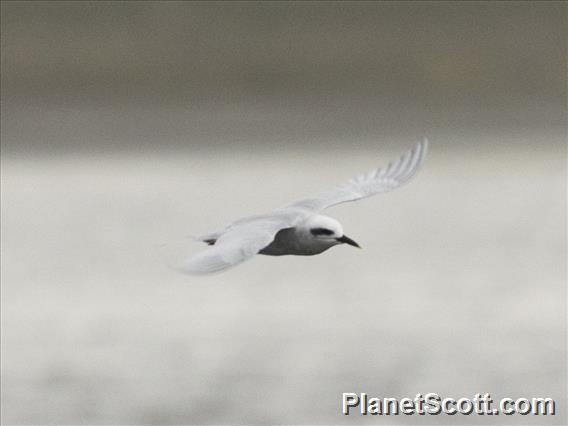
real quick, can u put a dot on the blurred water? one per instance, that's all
(460, 288)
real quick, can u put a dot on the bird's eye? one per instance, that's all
(321, 231)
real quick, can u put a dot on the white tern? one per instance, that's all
(299, 228)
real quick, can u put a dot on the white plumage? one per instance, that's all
(298, 228)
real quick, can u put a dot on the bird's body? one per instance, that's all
(295, 241)
(298, 228)
(298, 241)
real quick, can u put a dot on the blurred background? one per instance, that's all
(128, 126)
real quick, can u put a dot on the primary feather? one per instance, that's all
(376, 181)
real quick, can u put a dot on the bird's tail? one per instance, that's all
(210, 239)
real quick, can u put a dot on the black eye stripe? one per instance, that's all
(321, 231)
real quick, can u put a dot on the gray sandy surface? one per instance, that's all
(459, 288)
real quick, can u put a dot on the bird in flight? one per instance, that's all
(299, 228)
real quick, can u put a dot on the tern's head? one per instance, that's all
(328, 229)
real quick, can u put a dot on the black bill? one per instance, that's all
(345, 239)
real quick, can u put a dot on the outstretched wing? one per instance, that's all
(238, 243)
(379, 180)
